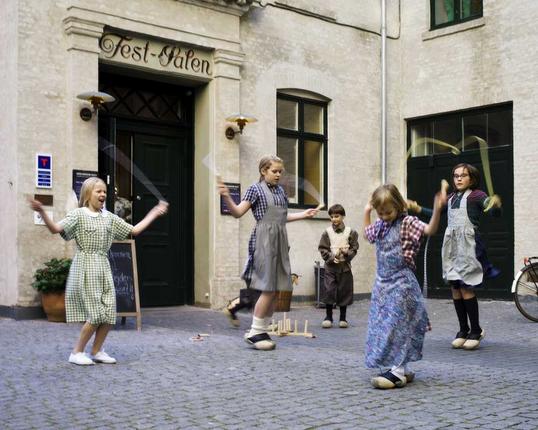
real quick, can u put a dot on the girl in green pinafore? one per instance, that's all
(90, 296)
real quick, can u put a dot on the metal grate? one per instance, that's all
(149, 104)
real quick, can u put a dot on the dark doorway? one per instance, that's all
(146, 153)
(431, 161)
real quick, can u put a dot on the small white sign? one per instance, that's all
(43, 176)
(38, 220)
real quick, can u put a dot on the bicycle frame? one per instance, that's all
(528, 261)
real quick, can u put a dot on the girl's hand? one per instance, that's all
(440, 200)
(161, 208)
(413, 206)
(222, 188)
(368, 207)
(309, 213)
(35, 205)
(444, 188)
(429, 326)
(494, 201)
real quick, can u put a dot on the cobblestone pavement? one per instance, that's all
(163, 380)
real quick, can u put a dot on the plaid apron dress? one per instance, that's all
(90, 295)
(271, 260)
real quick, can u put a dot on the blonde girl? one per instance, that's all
(397, 319)
(268, 265)
(90, 297)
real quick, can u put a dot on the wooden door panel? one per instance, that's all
(163, 247)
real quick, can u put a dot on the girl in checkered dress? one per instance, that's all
(268, 264)
(397, 319)
(90, 296)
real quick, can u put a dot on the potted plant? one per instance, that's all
(50, 282)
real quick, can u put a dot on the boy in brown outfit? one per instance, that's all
(338, 245)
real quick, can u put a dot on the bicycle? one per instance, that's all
(525, 289)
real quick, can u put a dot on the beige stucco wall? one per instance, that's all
(490, 63)
(52, 52)
(342, 64)
(57, 58)
(8, 146)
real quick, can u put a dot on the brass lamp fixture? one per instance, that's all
(241, 120)
(97, 99)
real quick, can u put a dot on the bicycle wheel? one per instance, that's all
(526, 292)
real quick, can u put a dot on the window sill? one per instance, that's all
(323, 215)
(456, 28)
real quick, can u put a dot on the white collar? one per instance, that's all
(103, 212)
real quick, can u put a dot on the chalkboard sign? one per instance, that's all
(235, 194)
(122, 257)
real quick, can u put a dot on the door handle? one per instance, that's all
(138, 198)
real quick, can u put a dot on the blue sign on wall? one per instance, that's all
(43, 171)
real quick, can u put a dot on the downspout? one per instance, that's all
(383, 91)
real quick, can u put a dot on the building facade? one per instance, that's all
(309, 71)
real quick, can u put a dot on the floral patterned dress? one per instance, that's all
(397, 320)
(90, 295)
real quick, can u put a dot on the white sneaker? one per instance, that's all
(80, 358)
(103, 357)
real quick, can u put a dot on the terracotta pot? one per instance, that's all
(54, 306)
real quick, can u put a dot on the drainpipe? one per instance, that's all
(383, 91)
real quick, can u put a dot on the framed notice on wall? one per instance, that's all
(79, 176)
(235, 194)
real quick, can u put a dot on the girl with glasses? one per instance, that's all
(464, 259)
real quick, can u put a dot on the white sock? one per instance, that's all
(258, 326)
(399, 371)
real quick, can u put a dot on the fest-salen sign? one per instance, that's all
(170, 57)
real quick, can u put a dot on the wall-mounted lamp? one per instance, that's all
(96, 98)
(241, 121)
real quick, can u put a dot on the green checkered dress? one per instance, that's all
(89, 294)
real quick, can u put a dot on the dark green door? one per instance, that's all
(165, 249)
(146, 154)
(432, 163)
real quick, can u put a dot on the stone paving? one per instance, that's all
(163, 380)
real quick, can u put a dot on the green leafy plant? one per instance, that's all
(52, 278)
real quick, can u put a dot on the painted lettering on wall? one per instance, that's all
(127, 49)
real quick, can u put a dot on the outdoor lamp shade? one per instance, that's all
(96, 98)
(241, 120)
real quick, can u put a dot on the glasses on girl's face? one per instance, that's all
(463, 175)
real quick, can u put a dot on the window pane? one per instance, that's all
(421, 142)
(286, 148)
(313, 172)
(500, 128)
(447, 135)
(475, 131)
(286, 114)
(443, 11)
(470, 8)
(313, 118)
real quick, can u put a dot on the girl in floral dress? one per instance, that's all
(397, 320)
(90, 296)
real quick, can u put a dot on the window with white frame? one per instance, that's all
(302, 144)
